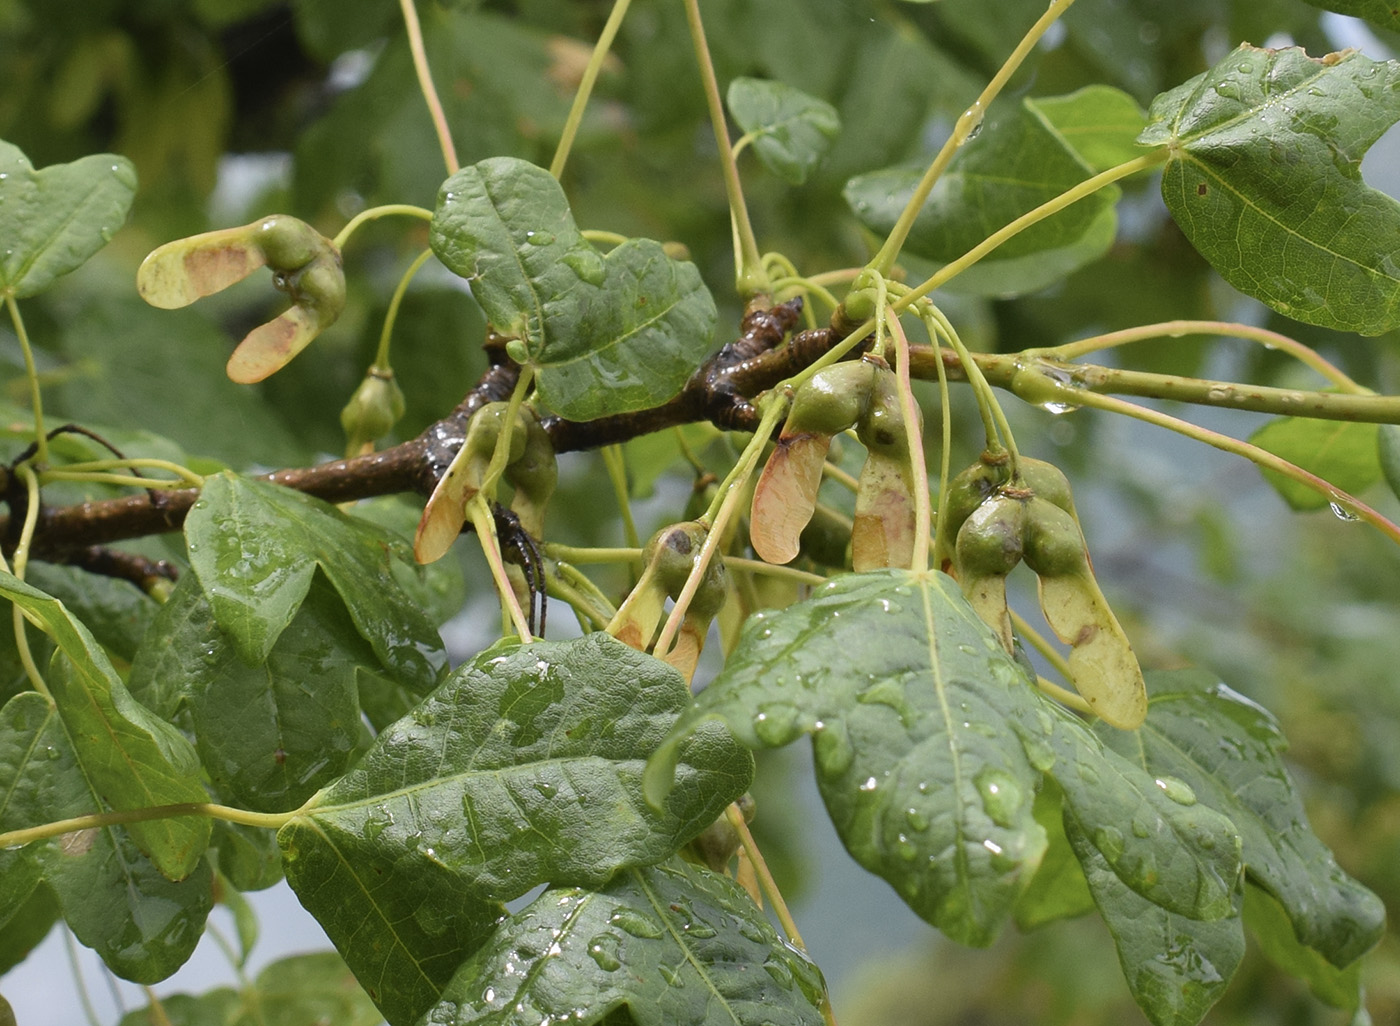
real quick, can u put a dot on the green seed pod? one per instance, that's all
(672, 552)
(882, 430)
(831, 400)
(287, 243)
(1047, 481)
(1054, 544)
(972, 487)
(989, 541)
(372, 411)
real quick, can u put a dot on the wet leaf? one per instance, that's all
(53, 220)
(269, 734)
(1343, 454)
(907, 696)
(1098, 122)
(605, 333)
(524, 767)
(1269, 925)
(1176, 967)
(671, 944)
(791, 131)
(129, 756)
(256, 546)
(1017, 162)
(143, 925)
(1265, 180)
(1227, 750)
(1150, 831)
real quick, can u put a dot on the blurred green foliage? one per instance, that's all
(231, 109)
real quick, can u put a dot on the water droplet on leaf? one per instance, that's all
(1177, 790)
(603, 949)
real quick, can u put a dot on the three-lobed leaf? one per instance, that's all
(524, 767)
(53, 220)
(791, 131)
(256, 546)
(672, 945)
(1228, 751)
(1018, 160)
(1264, 178)
(908, 696)
(1151, 831)
(604, 333)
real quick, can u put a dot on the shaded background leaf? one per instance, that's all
(1343, 454)
(791, 131)
(1017, 162)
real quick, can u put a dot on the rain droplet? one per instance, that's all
(603, 949)
(832, 748)
(635, 923)
(775, 724)
(870, 784)
(1177, 790)
(671, 974)
(1342, 513)
(1109, 840)
(1002, 796)
(917, 820)
(780, 973)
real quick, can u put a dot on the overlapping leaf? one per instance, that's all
(1151, 831)
(129, 756)
(1269, 925)
(1018, 161)
(1176, 967)
(524, 767)
(53, 220)
(1264, 177)
(791, 131)
(605, 334)
(672, 945)
(295, 991)
(908, 696)
(255, 548)
(143, 925)
(1098, 122)
(268, 734)
(1058, 890)
(1227, 750)
(1339, 452)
